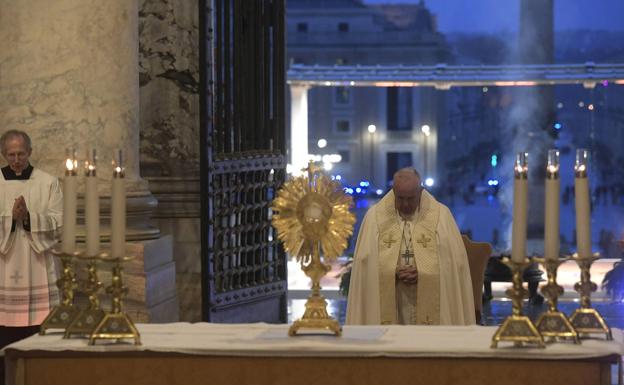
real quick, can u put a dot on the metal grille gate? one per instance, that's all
(243, 160)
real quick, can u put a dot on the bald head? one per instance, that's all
(407, 191)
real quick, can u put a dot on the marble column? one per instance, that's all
(298, 127)
(69, 77)
(169, 143)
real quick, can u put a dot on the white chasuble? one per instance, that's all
(443, 294)
(27, 272)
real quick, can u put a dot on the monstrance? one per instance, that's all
(311, 214)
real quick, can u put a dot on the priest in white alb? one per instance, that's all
(410, 265)
(30, 217)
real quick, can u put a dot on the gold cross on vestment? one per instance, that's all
(389, 240)
(423, 240)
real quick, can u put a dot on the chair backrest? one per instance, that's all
(478, 257)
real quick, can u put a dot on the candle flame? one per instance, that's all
(553, 169)
(580, 167)
(69, 163)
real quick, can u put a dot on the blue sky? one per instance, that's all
(500, 15)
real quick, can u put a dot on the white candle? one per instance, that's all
(92, 208)
(581, 201)
(118, 211)
(551, 211)
(519, 224)
(70, 190)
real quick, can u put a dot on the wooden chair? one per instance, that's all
(478, 257)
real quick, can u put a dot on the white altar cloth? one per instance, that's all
(264, 340)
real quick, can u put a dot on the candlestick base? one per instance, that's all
(517, 328)
(63, 314)
(115, 326)
(553, 323)
(59, 318)
(586, 320)
(85, 323)
(589, 321)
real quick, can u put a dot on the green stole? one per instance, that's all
(425, 255)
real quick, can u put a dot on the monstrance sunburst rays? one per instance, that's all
(312, 213)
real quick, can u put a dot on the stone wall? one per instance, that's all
(169, 136)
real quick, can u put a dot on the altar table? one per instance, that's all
(204, 353)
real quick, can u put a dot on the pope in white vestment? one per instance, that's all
(410, 264)
(30, 216)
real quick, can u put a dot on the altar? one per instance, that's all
(202, 353)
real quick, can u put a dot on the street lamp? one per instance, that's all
(322, 143)
(371, 130)
(426, 130)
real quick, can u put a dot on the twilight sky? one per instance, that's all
(499, 15)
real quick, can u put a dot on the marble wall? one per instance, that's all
(68, 77)
(169, 140)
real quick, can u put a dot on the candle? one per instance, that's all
(581, 201)
(70, 189)
(519, 224)
(551, 215)
(118, 210)
(92, 207)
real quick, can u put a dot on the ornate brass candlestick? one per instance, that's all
(586, 320)
(313, 213)
(86, 321)
(116, 325)
(63, 314)
(517, 328)
(553, 323)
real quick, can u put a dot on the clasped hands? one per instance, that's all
(20, 211)
(407, 274)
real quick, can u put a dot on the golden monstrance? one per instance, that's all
(311, 214)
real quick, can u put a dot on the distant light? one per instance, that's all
(581, 104)
(485, 89)
(328, 83)
(372, 128)
(352, 83)
(322, 143)
(364, 183)
(333, 177)
(429, 182)
(338, 177)
(605, 83)
(328, 166)
(559, 105)
(379, 191)
(492, 182)
(349, 190)
(590, 107)
(358, 190)
(494, 160)
(426, 129)
(557, 126)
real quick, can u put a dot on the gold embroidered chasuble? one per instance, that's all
(395, 295)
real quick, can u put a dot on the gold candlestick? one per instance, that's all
(586, 320)
(86, 321)
(553, 323)
(115, 325)
(517, 328)
(64, 313)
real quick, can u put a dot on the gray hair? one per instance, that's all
(10, 134)
(406, 170)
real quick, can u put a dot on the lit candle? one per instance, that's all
(118, 210)
(581, 200)
(519, 224)
(70, 189)
(551, 219)
(92, 207)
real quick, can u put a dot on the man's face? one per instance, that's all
(16, 154)
(407, 196)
